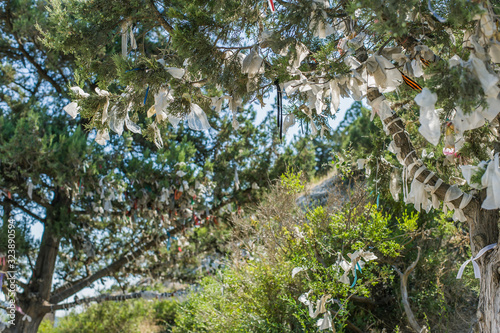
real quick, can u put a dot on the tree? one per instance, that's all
(319, 51)
(113, 209)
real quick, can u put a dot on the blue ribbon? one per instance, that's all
(356, 275)
(168, 240)
(134, 69)
(146, 97)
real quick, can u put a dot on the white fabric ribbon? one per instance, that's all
(418, 195)
(314, 130)
(104, 93)
(288, 122)
(430, 127)
(433, 189)
(468, 171)
(452, 193)
(72, 108)
(197, 119)
(301, 53)
(325, 323)
(102, 136)
(488, 81)
(253, 63)
(382, 73)
(157, 135)
(459, 213)
(126, 25)
(406, 171)
(334, 96)
(320, 27)
(477, 271)
(297, 270)
(395, 185)
(491, 180)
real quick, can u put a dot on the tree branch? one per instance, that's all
(404, 294)
(25, 210)
(160, 17)
(66, 291)
(396, 128)
(123, 297)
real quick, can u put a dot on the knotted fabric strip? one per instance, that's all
(477, 271)
(406, 171)
(459, 213)
(434, 198)
(452, 193)
(418, 195)
(393, 122)
(429, 177)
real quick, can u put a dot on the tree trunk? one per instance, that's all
(25, 326)
(488, 312)
(484, 230)
(32, 299)
(38, 291)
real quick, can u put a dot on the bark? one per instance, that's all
(484, 231)
(404, 295)
(32, 299)
(40, 284)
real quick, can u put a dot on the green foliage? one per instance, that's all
(134, 316)
(456, 87)
(258, 294)
(292, 182)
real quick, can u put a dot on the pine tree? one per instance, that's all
(436, 57)
(109, 208)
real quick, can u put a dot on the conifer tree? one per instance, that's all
(438, 59)
(109, 208)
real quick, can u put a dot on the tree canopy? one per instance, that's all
(148, 67)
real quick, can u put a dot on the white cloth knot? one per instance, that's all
(477, 271)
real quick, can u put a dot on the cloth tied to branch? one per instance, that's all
(356, 263)
(418, 195)
(126, 30)
(382, 74)
(318, 25)
(430, 127)
(106, 94)
(163, 98)
(308, 113)
(301, 53)
(468, 171)
(102, 136)
(477, 271)
(381, 107)
(72, 108)
(157, 135)
(320, 304)
(395, 184)
(297, 270)
(197, 119)
(334, 96)
(454, 193)
(253, 63)
(491, 180)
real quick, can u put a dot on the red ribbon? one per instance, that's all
(271, 5)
